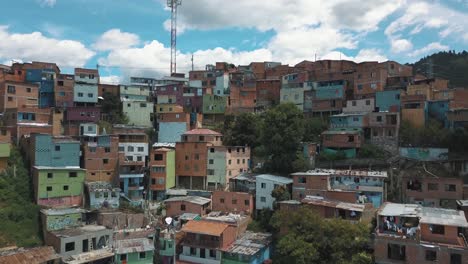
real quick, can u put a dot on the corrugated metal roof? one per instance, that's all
(191, 199)
(274, 178)
(249, 243)
(439, 216)
(317, 200)
(202, 131)
(395, 209)
(133, 245)
(211, 228)
(88, 257)
(28, 256)
(163, 145)
(331, 172)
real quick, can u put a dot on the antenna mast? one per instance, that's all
(173, 5)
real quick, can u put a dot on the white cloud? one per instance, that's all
(47, 3)
(110, 79)
(54, 30)
(431, 47)
(35, 46)
(363, 55)
(400, 45)
(115, 39)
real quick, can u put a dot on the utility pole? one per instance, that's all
(173, 5)
(192, 61)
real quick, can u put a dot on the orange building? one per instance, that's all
(177, 206)
(232, 202)
(100, 158)
(17, 95)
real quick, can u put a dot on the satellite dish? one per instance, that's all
(168, 220)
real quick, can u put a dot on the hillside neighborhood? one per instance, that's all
(327, 161)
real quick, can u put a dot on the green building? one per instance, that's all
(134, 251)
(58, 186)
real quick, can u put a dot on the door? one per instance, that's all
(202, 253)
(85, 245)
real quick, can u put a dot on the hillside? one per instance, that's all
(448, 65)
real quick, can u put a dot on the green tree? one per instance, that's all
(243, 129)
(304, 237)
(280, 193)
(111, 106)
(313, 128)
(282, 133)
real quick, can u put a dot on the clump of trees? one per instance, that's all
(19, 216)
(303, 237)
(275, 136)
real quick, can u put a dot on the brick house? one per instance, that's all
(177, 206)
(232, 202)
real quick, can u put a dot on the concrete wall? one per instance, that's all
(62, 184)
(135, 153)
(362, 105)
(424, 154)
(50, 152)
(264, 192)
(234, 202)
(171, 131)
(386, 100)
(216, 167)
(85, 93)
(139, 113)
(173, 208)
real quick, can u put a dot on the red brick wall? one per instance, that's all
(425, 193)
(173, 208)
(93, 162)
(341, 141)
(227, 206)
(186, 158)
(229, 235)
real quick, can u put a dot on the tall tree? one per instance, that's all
(242, 130)
(282, 133)
(307, 238)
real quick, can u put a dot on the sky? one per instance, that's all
(132, 37)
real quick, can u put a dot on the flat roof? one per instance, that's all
(87, 229)
(332, 172)
(64, 211)
(245, 176)
(462, 202)
(59, 168)
(396, 209)
(342, 131)
(191, 199)
(249, 243)
(164, 145)
(440, 216)
(133, 245)
(202, 131)
(176, 192)
(275, 178)
(224, 217)
(89, 256)
(318, 200)
(212, 228)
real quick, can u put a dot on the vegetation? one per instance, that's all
(371, 151)
(19, 217)
(112, 108)
(306, 238)
(275, 136)
(448, 65)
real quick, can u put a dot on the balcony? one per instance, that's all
(201, 243)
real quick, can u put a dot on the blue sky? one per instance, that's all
(131, 37)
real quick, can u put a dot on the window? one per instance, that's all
(197, 156)
(354, 103)
(302, 180)
(397, 96)
(359, 86)
(80, 94)
(158, 156)
(433, 186)
(142, 104)
(234, 201)
(186, 157)
(90, 129)
(50, 175)
(372, 74)
(431, 255)
(350, 138)
(141, 149)
(28, 90)
(229, 162)
(91, 76)
(142, 255)
(114, 194)
(57, 148)
(10, 99)
(243, 161)
(107, 149)
(182, 207)
(263, 199)
(90, 95)
(11, 89)
(193, 251)
(212, 253)
(106, 194)
(210, 161)
(247, 202)
(450, 188)
(49, 188)
(455, 259)
(123, 257)
(355, 119)
(396, 252)
(121, 149)
(210, 172)
(72, 174)
(139, 158)
(263, 185)
(221, 200)
(105, 161)
(201, 138)
(130, 149)
(159, 169)
(65, 187)
(367, 102)
(379, 118)
(153, 181)
(437, 229)
(238, 161)
(70, 246)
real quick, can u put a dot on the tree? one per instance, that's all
(280, 193)
(111, 106)
(282, 133)
(313, 128)
(305, 238)
(242, 130)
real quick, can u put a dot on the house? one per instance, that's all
(58, 219)
(239, 221)
(5, 148)
(293, 87)
(457, 118)
(171, 126)
(162, 169)
(268, 93)
(223, 162)
(232, 202)
(366, 105)
(100, 157)
(243, 182)
(388, 100)
(25, 121)
(138, 251)
(326, 98)
(351, 186)
(85, 90)
(139, 113)
(101, 195)
(43, 74)
(264, 186)
(327, 208)
(431, 191)
(38, 255)
(438, 109)
(214, 107)
(250, 248)
(192, 157)
(176, 206)
(409, 233)
(384, 128)
(134, 93)
(64, 90)
(58, 186)
(18, 95)
(349, 120)
(205, 240)
(108, 89)
(345, 140)
(50, 151)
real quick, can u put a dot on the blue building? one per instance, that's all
(358, 120)
(46, 80)
(386, 100)
(250, 248)
(438, 110)
(49, 151)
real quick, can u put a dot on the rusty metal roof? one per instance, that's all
(28, 256)
(205, 227)
(133, 246)
(249, 243)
